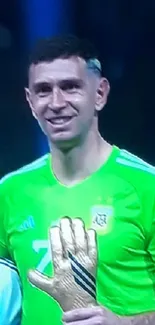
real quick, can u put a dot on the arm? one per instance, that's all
(10, 294)
(10, 291)
(146, 319)
(4, 253)
(102, 316)
(149, 318)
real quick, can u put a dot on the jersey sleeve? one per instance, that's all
(151, 241)
(10, 294)
(4, 253)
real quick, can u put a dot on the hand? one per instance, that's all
(74, 257)
(93, 316)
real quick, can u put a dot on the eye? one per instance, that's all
(43, 89)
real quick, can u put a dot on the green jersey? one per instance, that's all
(118, 200)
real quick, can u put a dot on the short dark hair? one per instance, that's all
(65, 46)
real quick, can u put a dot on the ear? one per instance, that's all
(102, 93)
(29, 100)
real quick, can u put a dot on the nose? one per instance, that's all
(57, 101)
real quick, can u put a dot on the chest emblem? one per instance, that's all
(101, 217)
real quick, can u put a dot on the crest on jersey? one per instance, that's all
(101, 216)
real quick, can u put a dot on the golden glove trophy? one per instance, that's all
(74, 258)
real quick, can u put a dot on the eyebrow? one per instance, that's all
(71, 80)
(38, 84)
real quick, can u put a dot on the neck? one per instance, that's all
(81, 161)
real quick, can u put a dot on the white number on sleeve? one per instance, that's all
(39, 245)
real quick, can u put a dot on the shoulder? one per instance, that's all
(134, 169)
(24, 174)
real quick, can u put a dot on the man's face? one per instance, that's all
(64, 97)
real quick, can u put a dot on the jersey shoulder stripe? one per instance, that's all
(127, 155)
(40, 162)
(127, 159)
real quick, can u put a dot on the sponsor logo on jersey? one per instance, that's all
(27, 224)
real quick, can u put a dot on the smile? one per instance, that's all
(60, 120)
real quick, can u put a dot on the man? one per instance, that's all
(10, 294)
(111, 190)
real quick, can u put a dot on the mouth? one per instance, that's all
(60, 120)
